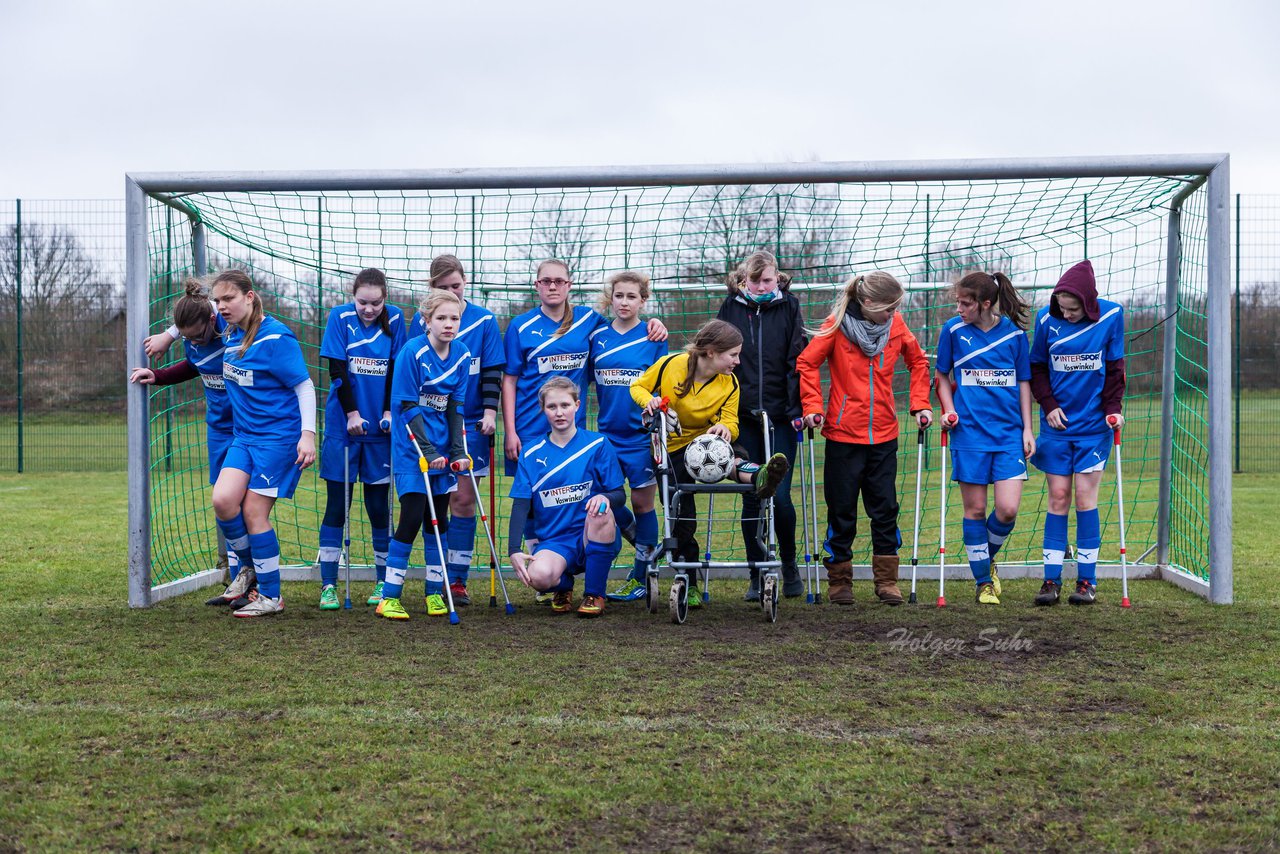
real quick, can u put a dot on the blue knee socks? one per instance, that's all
(461, 543)
(646, 542)
(997, 533)
(397, 564)
(977, 548)
(1088, 542)
(330, 553)
(237, 537)
(266, 562)
(1055, 546)
(599, 558)
(435, 565)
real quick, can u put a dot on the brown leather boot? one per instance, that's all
(839, 582)
(885, 570)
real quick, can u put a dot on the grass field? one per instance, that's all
(179, 728)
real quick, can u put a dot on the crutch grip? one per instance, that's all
(460, 465)
(1112, 421)
(385, 425)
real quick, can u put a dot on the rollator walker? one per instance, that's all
(668, 550)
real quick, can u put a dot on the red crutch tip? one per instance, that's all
(942, 601)
(1124, 603)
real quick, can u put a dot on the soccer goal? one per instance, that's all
(1155, 227)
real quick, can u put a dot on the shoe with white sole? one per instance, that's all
(260, 606)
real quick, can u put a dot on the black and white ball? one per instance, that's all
(708, 458)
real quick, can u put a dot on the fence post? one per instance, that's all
(18, 281)
(1239, 333)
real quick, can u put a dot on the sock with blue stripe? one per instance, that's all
(435, 565)
(976, 548)
(397, 564)
(1088, 543)
(646, 542)
(997, 533)
(624, 517)
(237, 537)
(460, 540)
(266, 562)
(233, 564)
(330, 553)
(1055, 545)
(599, 558)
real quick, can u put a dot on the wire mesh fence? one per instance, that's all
(1257, 339)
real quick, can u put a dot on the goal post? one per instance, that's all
(1156, 227)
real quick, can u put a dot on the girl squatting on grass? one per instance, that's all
(427, 388)
(273, 405)
(200, 328)
(702, 395)
(861, 343)
(1078, 378)
(620, 353)
(769, 318)
(360, 341)
(479, 333)
(983, 375)
(569, 483)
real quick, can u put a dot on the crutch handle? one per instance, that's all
(385, 425)
(1115, 430)
(920, 436)
(944, 438)
(460, 465)
(949, 421)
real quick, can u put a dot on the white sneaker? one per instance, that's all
(260, 606)
(240, 586)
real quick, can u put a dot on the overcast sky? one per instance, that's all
(94, 89)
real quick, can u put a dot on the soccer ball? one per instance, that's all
(708, 458)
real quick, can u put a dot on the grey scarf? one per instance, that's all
(871, 338)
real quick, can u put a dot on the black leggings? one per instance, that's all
(376, 504)
(414, 515)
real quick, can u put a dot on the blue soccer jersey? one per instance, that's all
(560, 480)
(260, 384)
(207, 359)
(985, 369)
(478, 330)
(617, 360)
(368, 352)
(429, 382)
(1077, 356)
(534, 355)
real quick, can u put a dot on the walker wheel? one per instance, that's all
(769, 597)
(653, 596)
(679, 600)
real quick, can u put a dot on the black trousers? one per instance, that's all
(751, 444)
(872, 472)
(685, 528)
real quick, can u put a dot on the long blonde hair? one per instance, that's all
(567, 323)
(874, 291)
(241, 281)
(630, 277)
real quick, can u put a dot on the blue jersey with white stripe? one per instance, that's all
(207, 359)
(534, 355)
(985, 369)
(560, 480)
(478, 330)
(427, 380)
(1077, 356)
(260, 384)
(368, 352)
(618, 359)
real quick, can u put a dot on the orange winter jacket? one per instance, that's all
(860, 410)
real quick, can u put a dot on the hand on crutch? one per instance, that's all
(949, 421)
(438, 464)
(1117, 424)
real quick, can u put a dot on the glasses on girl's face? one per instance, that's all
(546, 283)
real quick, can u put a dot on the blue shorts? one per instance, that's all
(218, 441)
(370, 462)
(987, 466)
(271, 471)
(411, 481)
(1058, 455)
(479, 451)
(637, 465)
(574, 553)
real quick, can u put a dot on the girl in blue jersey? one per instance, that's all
(360, 340)
(1078, 378)
(480, 334)
(427, 392)
(552, 340)
(620, 353)
(569, 483)
(273, 404)
(200, 328)
(983, 376)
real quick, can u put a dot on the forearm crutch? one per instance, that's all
(435, 527)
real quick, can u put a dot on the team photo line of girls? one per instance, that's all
(415, 401)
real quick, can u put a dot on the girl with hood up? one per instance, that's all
(1078, 378)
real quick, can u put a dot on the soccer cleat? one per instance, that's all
(995, 579)
(987, 595)
(237, 604)
(234, 591)
(562, 601)
(770, 475)
(629, 591)
(459, 591)
(376, 596)
(592, 606)
(1049, 593)
(260, 606)
(329, 598)
(1086, 594)
(753, 590)
(544, 598)
(436, 606)
(392, 610)
(695, 596)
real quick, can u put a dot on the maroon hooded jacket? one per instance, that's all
(1079, 283)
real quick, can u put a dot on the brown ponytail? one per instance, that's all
(193, 306)
(714, 336)
(997, 289)
(241, 281)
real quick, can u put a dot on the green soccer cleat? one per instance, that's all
(695, 596)
(987, 595)
(629, 591)
(436, 606)
(376, 596)
(329, 598)
(392, 610)
(544, 598)
(766, 480)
